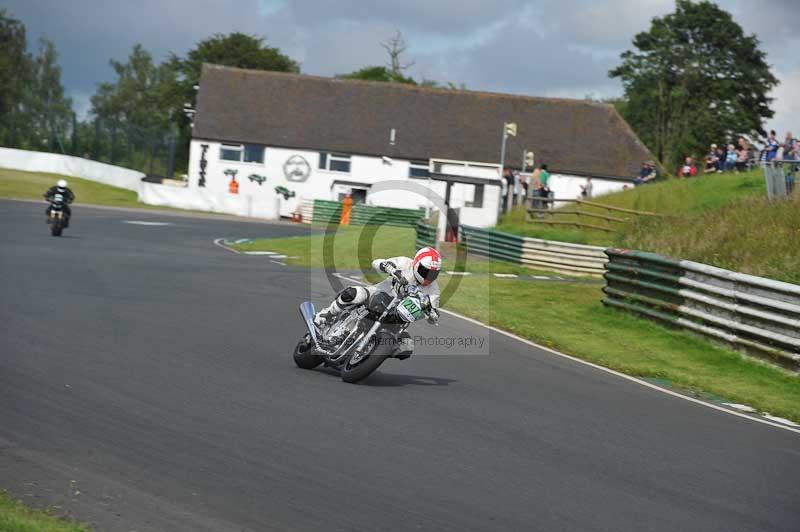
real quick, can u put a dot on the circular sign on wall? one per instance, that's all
(296, 169)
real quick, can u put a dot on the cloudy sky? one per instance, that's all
(540, 47)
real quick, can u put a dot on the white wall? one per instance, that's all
(569, 186)
(319, 185)
(53, 163)
(208, 200)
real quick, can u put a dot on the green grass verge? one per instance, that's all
(354, 247)
(571, 318)
(16, 184)
(32, 185)
(15, 517)
(721, 219)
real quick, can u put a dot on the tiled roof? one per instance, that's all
(349, 116)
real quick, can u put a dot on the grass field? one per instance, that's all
(14, 517)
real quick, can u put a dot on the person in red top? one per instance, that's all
(688, 169)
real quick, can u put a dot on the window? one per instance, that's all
(230, 152)
(335, 162)
(477, 197)
(249, 153)
(418, 169)
(253, 153)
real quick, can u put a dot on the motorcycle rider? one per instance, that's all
(421, 271)
(66, 195)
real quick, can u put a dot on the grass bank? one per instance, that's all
(15, 517)
(32, 185)
(719, 219)
(568, 317)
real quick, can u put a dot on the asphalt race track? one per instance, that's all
(146, 383)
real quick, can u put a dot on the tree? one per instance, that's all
(49, 110)
(377, 73)
(395, 47)
(137, 111)
(235, 50)
(15, 65)
(694, 78)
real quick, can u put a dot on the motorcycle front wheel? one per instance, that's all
(363, 367)
(55, 229)
(304, 355)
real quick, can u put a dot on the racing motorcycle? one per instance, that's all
(57, 215)
(361, 338)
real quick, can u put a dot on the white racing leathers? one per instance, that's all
(356, 295)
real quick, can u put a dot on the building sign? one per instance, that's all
(296, 169)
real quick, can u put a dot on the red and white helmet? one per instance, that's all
(426, 266)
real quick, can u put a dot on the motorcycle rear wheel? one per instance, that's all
(304, 355)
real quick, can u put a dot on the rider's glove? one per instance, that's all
(433, 317)
(387, 266)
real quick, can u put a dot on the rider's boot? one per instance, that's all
(405, 346)
(326, 315)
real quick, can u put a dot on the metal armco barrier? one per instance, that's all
(330, 211)
(572, 259)
(779, 177)
(754, 314)
(426, 235)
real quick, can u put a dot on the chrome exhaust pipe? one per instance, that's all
(308, 313)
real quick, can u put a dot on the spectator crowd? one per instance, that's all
(742, 155)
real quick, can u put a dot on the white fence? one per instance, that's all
(54, 163)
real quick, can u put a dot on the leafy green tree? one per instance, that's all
(49, 110)
(137, 111)
(235, 50)
(378, 73)
(694, 78)
(15, 65)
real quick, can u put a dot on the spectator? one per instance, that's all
(586, 189)
(789, 146)
(730, 158)
(742, 156)
(688, 169)
(711, 160)
(720, 159)
(772, 146)
(517, 187)
(543, 190)
(523, 181)
(646, 174)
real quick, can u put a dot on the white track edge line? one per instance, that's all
(218, 242)
(617, 373)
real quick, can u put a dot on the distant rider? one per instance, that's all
(60, 192)
(421, 271)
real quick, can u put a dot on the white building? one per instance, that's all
(390, 144)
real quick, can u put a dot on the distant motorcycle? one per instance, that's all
(57, 214)
(361, 338)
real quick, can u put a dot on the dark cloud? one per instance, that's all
(545, 47)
